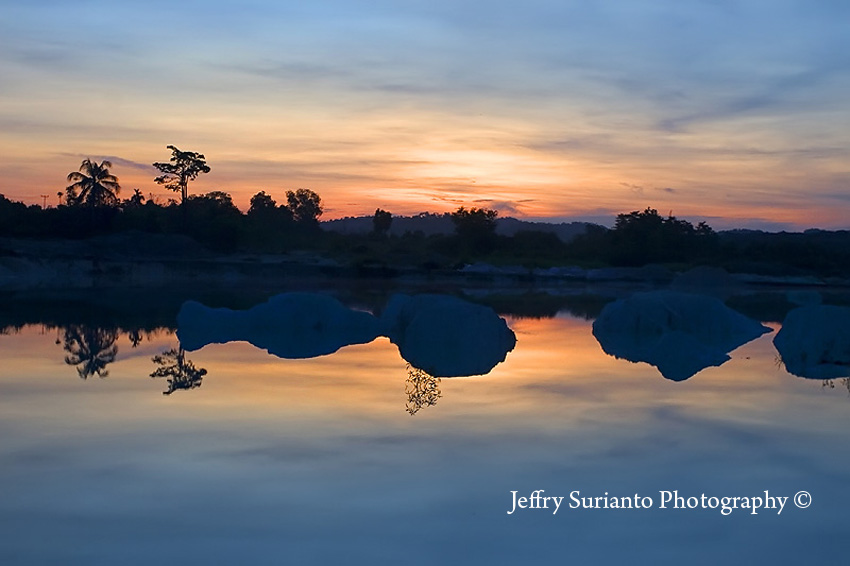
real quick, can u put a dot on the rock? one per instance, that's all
(446, 336)
(679, 333)
(814, 342)
(441, 335)
(290, 325)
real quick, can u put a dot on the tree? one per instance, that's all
(179, 372)
(135, 201)
(184, 166)
(93, 185)
(422, 390)
(642, 237)
(214, 220)
(305, 206)
(474, 221)
(381, 222)
(90, 349)
(476, 228)
(216, 200)
(261, 204)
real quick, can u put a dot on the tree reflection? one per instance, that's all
(90, 348)
(135, 337)
(830, 383)
(180, 372)
(422, 390)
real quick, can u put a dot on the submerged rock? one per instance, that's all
(290, 325)
(814, 342)
(446, 336)
(679, 333)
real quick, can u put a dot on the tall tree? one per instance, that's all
(93, 185)
(476, 228)
(305, 206)
(184, 166)
(381, 222)
(261, 204)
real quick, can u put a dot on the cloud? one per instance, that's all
(504, 207)
(637, 189)
(115, 160)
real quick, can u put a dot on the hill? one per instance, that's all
(432, 224)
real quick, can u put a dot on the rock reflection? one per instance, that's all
(678, 333)
(422, 390)
(290, 325)
(179, 372)
(443, 335)
(814, 342)
(90, 349)
(446, 336)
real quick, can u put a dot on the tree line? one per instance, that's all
(91, 206)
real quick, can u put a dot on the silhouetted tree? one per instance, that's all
(422, 390)
(261, 203)
(642, 237)
(90, 348)
(381, 222)
(476, 228)
(135, 201)
(184, 166)
(178, 371)
(305, 206)
(214, 220)
(268, 225)
(135, 337)
(93, 185)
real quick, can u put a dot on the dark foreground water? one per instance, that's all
(358, 458)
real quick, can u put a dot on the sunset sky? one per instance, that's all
(735, 111)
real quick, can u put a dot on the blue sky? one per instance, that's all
(539, 109)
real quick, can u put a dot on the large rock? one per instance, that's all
(679, 333)
(446, 336)
(290, 325)
(441, 335)
(814, 342)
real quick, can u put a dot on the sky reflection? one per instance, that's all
(318, 460)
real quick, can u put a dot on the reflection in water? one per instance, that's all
(814, 342)
(422, 390)
(679, 333)
(267, 468)
(447, 336)
(290, 325)
(443, 335)
(180, 372)
(135, 337)
(830, 383)
(90, 348)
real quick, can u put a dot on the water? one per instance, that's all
(338, 459)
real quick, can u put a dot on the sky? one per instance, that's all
(732, 111)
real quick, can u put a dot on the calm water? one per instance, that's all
(357, 458)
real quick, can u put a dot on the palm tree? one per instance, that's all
(93, 185)
(91, 349)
